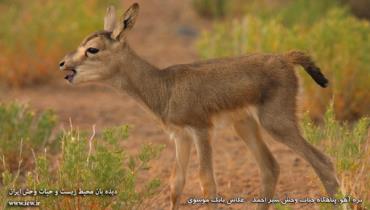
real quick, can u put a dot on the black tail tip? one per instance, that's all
(318, 77)
(324, 83)
(321, 80)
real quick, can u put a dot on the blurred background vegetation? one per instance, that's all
(36, 34)
(337, 40)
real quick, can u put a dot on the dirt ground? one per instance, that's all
(164, 34)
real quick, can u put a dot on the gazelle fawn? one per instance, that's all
(256, 92)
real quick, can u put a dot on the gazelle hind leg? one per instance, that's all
(183, 146)
(249, 130)
(285, 130)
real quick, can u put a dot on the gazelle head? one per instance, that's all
(98, 56)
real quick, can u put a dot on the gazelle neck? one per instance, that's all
(142, 81)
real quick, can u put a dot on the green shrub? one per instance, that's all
(338, 42)
(19, 124)
(78, 161)
(87, 163)
(349, 145)
(304, 12)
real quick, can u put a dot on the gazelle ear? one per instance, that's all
(126, 22)
(110, 19)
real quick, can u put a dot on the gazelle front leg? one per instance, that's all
(204, 150)
(183, 145)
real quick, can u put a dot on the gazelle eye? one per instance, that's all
(92, 50)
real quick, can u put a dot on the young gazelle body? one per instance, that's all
(256, 92)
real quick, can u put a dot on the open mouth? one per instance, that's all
(70, 75)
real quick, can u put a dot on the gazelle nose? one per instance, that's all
(61, 64)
